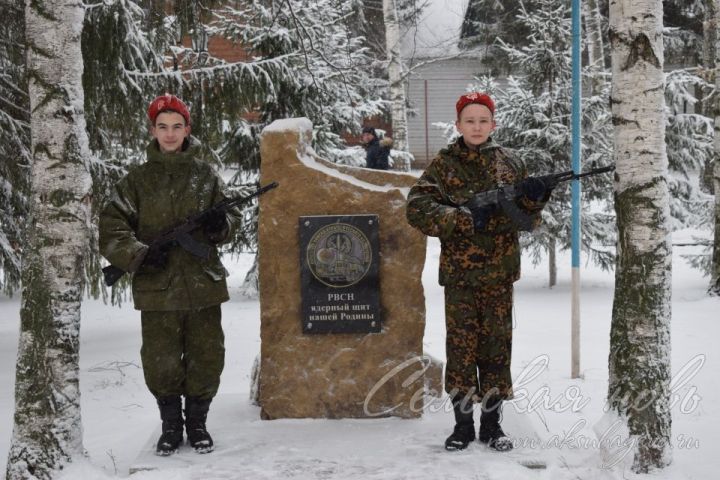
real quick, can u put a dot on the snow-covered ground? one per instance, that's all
(120, 417)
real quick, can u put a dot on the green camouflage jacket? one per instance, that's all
(151, 198)
(470, 258)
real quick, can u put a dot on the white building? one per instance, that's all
(438, 75)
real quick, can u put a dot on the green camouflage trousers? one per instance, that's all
(479, 341)
(183, 352)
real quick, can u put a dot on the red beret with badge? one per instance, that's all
(165, 103)
(475, 97)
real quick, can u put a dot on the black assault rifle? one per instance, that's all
(505, 195)
(180, 233)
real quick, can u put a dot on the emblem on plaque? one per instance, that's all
(339, 255)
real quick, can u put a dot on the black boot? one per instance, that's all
(464, 431)
(490, 430)
(196, 411)
(172, 425)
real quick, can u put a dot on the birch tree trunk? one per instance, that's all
(715, 272)
(593, 25)
(47, 431)
(714, 288)
(596, 50)
(552, 263)
(395, 77)
(639, 360)
(709, 44)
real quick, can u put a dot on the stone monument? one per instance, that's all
(373, 371)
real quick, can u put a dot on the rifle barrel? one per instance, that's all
(564, 176)
(596, 171)
(570, 175)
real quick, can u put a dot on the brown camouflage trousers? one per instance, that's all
(479, 341)
(183, 352)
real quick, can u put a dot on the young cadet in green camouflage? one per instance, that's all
(178, 294)
(479, 262)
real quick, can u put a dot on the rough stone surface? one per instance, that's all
(336, 375)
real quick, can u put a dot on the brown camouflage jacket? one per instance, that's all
(470, 258)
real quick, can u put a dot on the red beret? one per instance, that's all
(475, 97)
(166, 102)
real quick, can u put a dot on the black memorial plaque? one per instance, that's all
(339, 257)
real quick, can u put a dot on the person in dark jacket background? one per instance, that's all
(377, 151)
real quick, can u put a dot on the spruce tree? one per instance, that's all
(120, 64)
(689, 35)
(683, 30)
(313, 65)
(689, 140)
(534, 112)
(321, 67)
(533, 118)
(299, 59)
(14, 143)
(486, 21)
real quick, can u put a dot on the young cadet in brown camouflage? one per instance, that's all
(178, 294)
(479, 262)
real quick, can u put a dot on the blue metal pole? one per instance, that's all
(575, 240)
(576, 131)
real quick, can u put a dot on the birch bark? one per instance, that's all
(709, 55)
(714, 288)
(395, 77)
(639, 360)
(593, 25)
(715, 272)
(596, 49)
(47, 430)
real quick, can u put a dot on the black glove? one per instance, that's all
(481, 216)
(213, 222)
(533, 188)
(156, 257)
